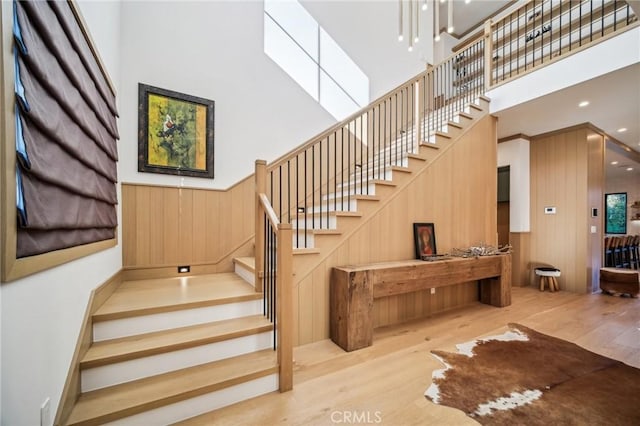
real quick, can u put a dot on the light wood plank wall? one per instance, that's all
(520, 258)
(567, 172)
(457, 192)
(168, 226)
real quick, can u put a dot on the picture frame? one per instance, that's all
(615, 213)
(424, 238)
(175, 133)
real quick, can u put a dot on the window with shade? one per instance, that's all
(65, 134)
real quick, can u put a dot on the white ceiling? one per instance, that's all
(614, 103)
(469, 16)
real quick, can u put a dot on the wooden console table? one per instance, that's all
(353, 289)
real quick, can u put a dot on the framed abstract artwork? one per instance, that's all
(175, 133)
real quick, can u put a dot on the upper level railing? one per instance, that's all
(543, 31)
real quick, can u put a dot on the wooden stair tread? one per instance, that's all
(248, 262)
(143, 297)
(416, 157)
(133, 347)
(429, 145)
(325, 231)
(338, 213)
(115, 402)
(304, 251)
(332, 202)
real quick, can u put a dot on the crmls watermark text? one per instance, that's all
(356, 417)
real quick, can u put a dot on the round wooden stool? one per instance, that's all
(549, 277)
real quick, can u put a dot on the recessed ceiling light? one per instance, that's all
(629, 169)
(583, 104)
(622, 129)
(613, 163)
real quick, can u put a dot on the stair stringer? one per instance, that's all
(370, 238)
(347, 226)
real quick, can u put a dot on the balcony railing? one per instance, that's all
(543, 31)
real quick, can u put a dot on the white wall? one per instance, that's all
(215, 50)
(515, 153)
(42, 314)
(368, 31)
(444, 48)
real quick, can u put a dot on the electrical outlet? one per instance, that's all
(433, 291)
(45, 413)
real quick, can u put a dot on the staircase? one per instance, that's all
(165, 350)
(168, 349)
(335, 212)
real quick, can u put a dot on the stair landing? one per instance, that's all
(144, 297)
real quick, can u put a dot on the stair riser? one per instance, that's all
(334, 206)
(114, 329)
(358, 189)
(245, 274)
(113, 374)
(382, 162)
(300, 224)
(202, 404)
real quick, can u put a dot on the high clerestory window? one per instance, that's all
(308, 54)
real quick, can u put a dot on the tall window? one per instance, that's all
(305, 51)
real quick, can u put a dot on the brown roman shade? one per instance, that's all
(66, 133)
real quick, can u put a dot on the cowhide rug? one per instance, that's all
(527, 378)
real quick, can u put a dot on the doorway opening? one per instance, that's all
(503, 205)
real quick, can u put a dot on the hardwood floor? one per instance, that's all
(385, 383)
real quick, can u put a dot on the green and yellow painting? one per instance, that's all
(177, 133)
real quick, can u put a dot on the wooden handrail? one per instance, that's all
(356, 115)
(268, 210)
(360, 113)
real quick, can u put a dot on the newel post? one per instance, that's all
(488, 54)
(261, 188)
(284, 313)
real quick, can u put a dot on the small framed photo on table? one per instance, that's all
(424, 236)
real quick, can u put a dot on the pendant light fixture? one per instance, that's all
(413, 15)
(410, 25)
(400, 30)
(450, 17)
(436, 27)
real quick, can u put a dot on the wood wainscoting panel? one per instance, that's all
(520, 271)
(566, 167)
(168, 226)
